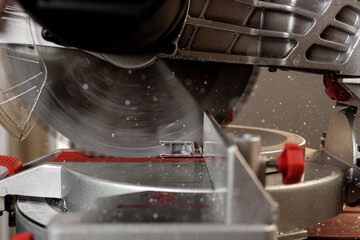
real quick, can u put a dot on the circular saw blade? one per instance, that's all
(126, 113)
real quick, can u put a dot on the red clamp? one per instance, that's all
(334, 89)
(23, 236)
(13, 165)
(291, 163)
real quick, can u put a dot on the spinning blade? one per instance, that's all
(119, 112)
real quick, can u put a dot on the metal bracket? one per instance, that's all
(181, 149)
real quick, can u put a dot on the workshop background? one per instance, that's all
(289, 101)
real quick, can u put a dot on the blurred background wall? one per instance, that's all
(290, 101)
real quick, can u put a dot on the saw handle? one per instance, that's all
(13, 165)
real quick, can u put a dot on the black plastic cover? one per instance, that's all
(108, 25)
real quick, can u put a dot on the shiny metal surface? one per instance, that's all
(24, 225)
(83, 184)
(254, 142)
(87, 187)
(249, 147)
(302, 34)
(307, 35)
(38, 210)
(170, 221)
(40, 181)
(231, 174)
(318, 198)
(82, 189)
(93, 192)
(118, 112)
(64, 228)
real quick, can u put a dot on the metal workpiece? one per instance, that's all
(317, 35)
(181, 149)
(343, 136)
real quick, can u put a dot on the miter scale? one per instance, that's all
(140, 89)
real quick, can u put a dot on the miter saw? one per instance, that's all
(144, 89)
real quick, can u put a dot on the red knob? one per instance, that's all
(13, 165)
(23, 236)
(291, 163)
